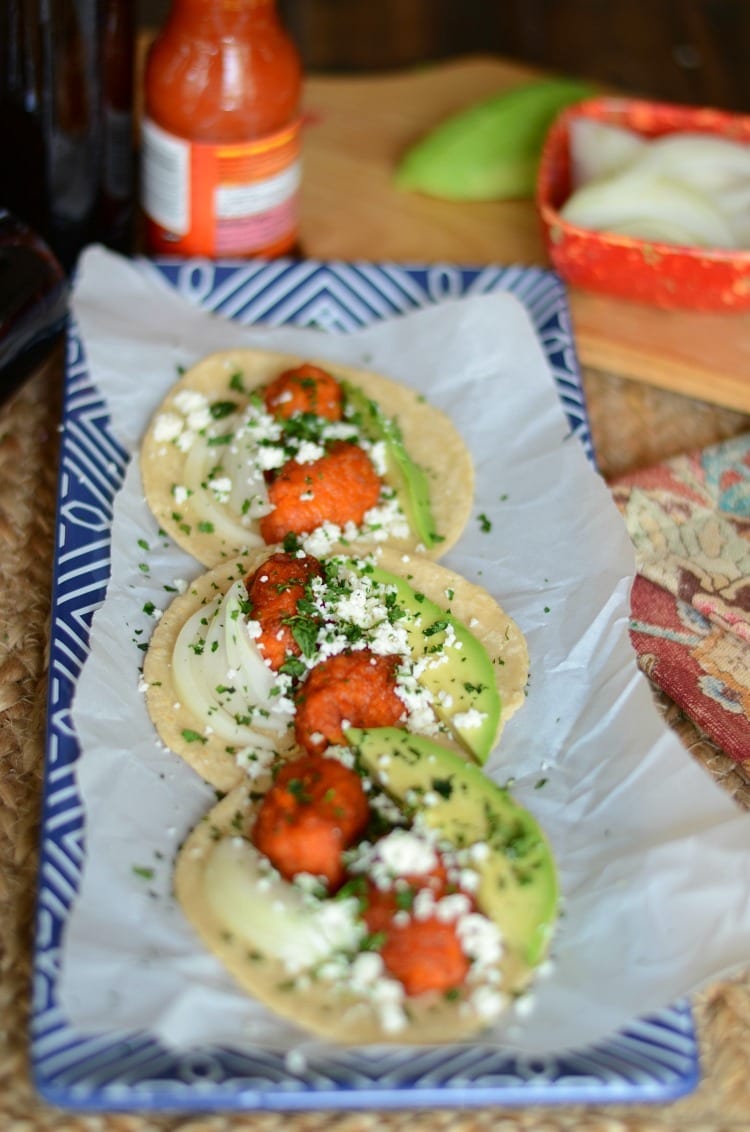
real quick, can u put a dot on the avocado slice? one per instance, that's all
(463, 685)
(410, 480)
(518, 881)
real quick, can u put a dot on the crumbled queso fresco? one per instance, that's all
(219, 669)
(392, 863)
(229, 448)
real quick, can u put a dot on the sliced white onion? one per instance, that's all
(684, 188)
(734, 203)
(598, 150)
(703, 162)
(257, 906)
(247, 482)
(213, 651)
(649, 207)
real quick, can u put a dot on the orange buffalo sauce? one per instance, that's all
(221, 132)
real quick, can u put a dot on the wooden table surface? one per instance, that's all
(357, 126)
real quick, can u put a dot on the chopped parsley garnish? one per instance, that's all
(297, 789)
(221, 409)
(443, 787)
(305, 632)
(373, 942)
(292, 666)
(291, 543)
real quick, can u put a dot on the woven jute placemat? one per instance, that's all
(28, 458)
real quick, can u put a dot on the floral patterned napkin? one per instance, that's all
(689, 519)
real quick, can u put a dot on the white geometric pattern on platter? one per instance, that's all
(654, 1059)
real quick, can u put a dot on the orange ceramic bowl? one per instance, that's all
(666, 275)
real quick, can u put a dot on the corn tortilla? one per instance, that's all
(429, 437)
(183, 731)
(330, 1010)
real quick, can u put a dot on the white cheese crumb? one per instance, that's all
(424, 904)
(185, 440)
(392, 1018)
(468, 720)
(469, 880)
(319, 541)
(269, 458)
(401, 853)
(378, 453)
(295, 1061)
(488, 1003)
(308, 452)
(480, 939)
(450, 907)
(479, 851)
(199, 419)
(524, 1005)
(167, 426)
(190, 401)
(221, 487)
(253, 761)
(366, 969)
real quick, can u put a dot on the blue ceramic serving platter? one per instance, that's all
(655, 1059)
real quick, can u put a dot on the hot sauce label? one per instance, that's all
(221, 200)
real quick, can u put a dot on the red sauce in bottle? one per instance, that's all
(221, 133)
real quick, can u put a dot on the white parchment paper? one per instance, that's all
(654, 859)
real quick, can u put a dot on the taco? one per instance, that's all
(386, 891)
(279, 650)
(251, 445)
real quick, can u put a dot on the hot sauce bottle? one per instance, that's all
(221, 132)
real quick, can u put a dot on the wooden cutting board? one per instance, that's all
(359, 125)
(357, 128)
